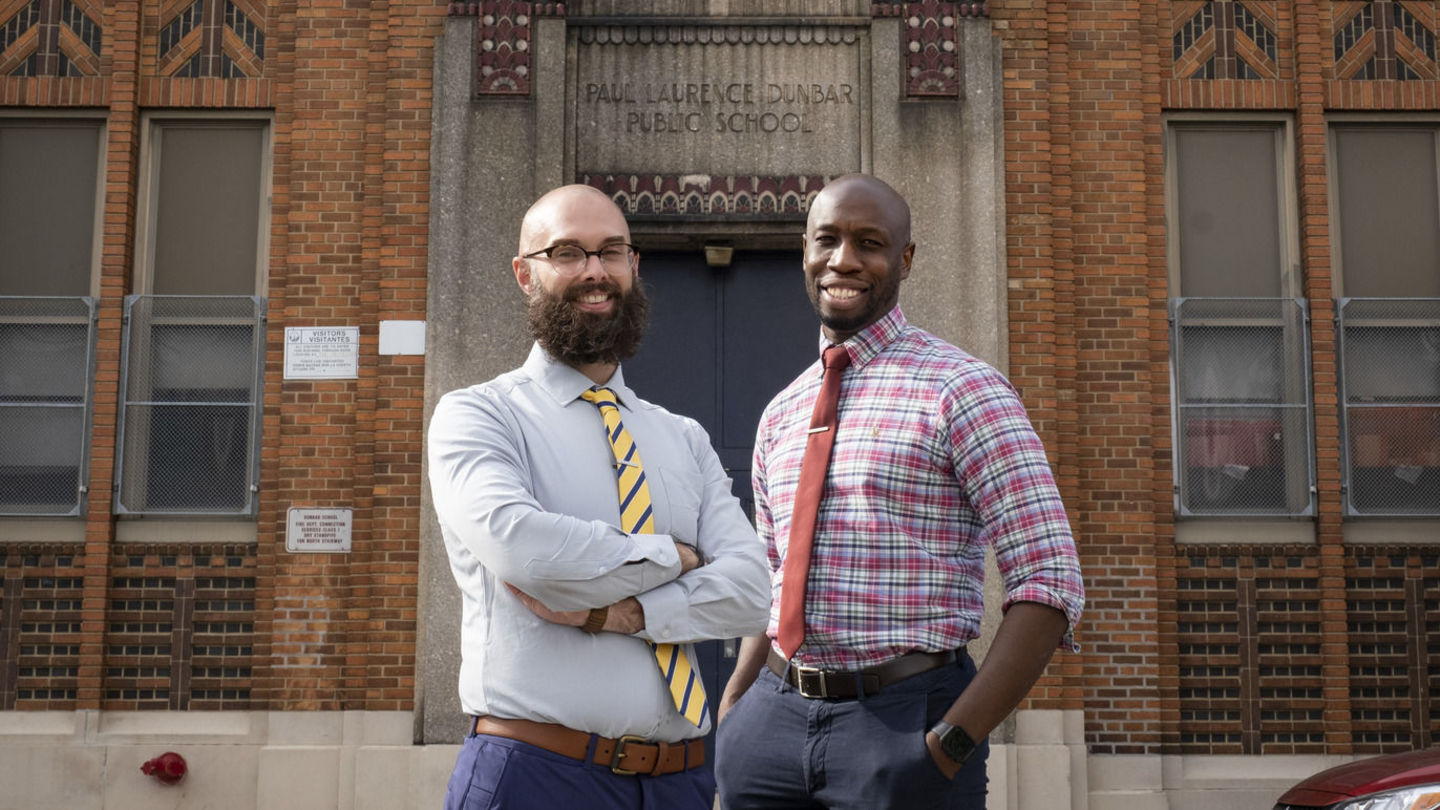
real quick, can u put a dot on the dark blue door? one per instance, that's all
(722, 342)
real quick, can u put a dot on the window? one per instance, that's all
(49, 186)
(1387, 201)
(1239, 335)
(194, 338)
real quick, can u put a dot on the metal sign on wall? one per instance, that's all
(322, 353)
(317, 530)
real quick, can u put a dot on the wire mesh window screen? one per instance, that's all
(1242, 401)
(1390, 379)
(47, 348)
(190, 414)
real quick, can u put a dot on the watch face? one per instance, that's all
(957, 744)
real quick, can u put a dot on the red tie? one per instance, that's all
(807, 502)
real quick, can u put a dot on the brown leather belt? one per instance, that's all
(825, 683)
(627, 756)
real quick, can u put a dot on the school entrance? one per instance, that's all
(722, 342)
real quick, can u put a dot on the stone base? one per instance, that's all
(90, 760)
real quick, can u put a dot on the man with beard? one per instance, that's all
(594, 537)
(860, 694)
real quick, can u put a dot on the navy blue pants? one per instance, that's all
(497, 773)
(777, 749)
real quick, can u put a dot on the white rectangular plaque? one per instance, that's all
(402, 337)
(310, 529)
(322, 352)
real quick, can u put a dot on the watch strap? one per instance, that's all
(954, 741)
(596, 619)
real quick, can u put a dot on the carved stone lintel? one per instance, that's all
(647, 195)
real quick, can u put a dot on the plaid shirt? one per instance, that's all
(934, 460)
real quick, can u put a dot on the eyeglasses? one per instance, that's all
(569, 260)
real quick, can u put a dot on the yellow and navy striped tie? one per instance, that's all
(637, 517)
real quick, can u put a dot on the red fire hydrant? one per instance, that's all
(169, 767)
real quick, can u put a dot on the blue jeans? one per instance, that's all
(497, 773)
(777, 749)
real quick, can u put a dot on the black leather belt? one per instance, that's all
(827, 683)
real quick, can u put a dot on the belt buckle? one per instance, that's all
(816, 675)
(619, 754)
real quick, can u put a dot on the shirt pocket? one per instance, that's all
(675, 499)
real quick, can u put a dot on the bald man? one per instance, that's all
(594, 537)
(860, 694)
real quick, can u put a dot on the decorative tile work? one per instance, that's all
(19, 37)
(40, 627)
(180, 630)
(1391, 611)
(1249, 658)
(1194, 33)
(965, 8)
(223, 635)
(1385, 39)
(503, 66)
(701, 196)
(245, 29)
(51, 37)
(180, 26)
(1225, 39)
(931, 50)
(1255, 41)
(139, 636)
(1287, 712)
(22, 19)
(73, 17)
(211, 38)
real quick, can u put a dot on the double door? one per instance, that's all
(722, 342)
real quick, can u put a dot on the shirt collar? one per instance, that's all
(866, 344)
(565, 384)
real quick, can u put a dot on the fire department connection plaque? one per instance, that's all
(317, 530)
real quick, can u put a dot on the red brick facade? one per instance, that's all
(348, 85)
(1087, 86)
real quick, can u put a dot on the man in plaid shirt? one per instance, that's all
(934, 460)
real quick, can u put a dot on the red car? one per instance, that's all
(1408, 781)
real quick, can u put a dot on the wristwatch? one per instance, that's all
(954, 742)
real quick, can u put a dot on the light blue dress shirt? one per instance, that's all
(523, 482)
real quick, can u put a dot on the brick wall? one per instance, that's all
(1203, 649)
(1082, 141)
(1086, 87)
(348, 84)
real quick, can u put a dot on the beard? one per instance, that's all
(881, 298)
(578, 338)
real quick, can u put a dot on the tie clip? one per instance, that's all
(820, 429)
(619, 463)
